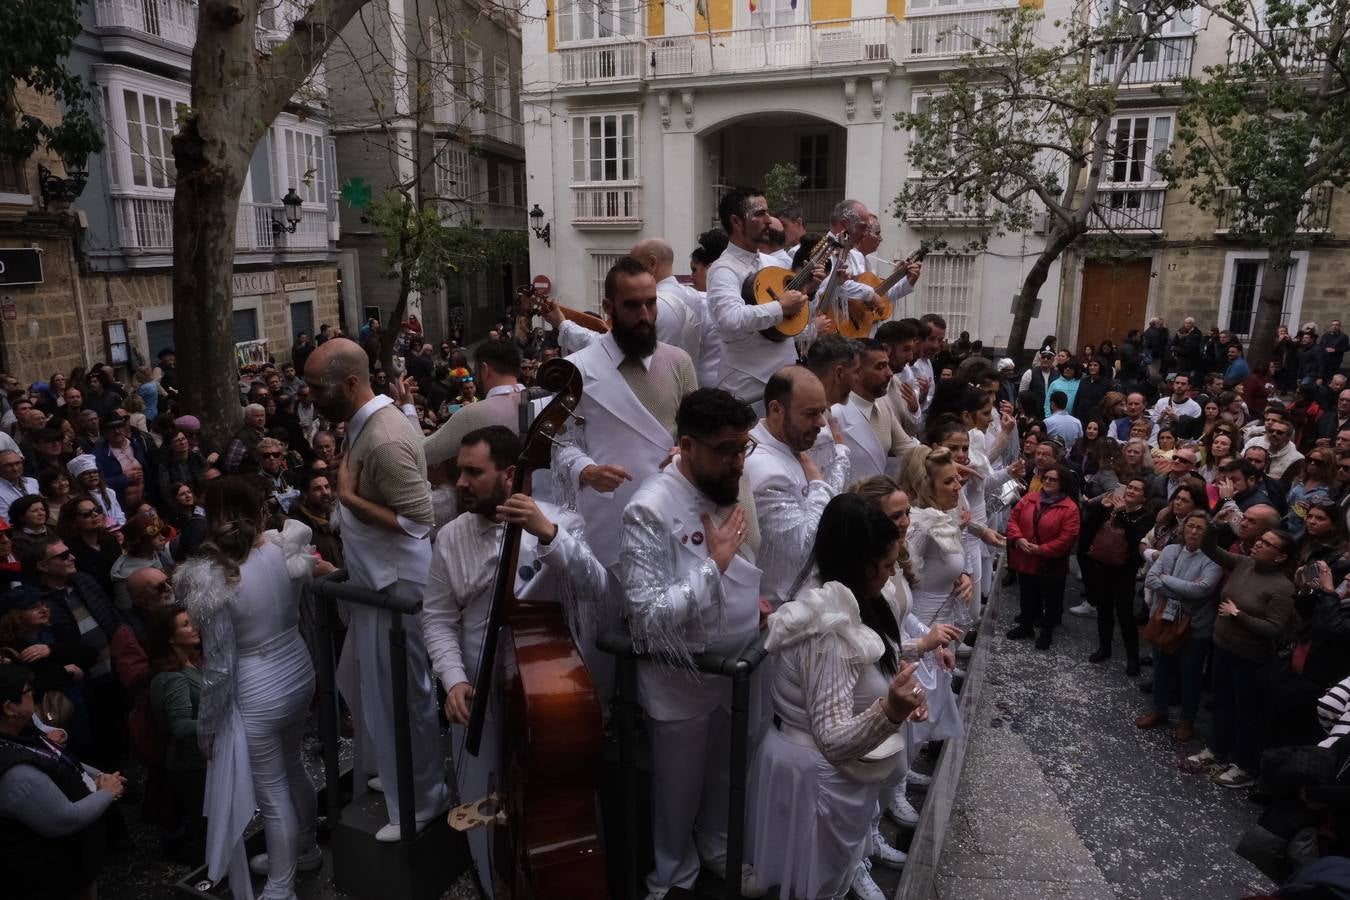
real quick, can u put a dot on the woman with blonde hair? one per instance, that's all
(944, 587)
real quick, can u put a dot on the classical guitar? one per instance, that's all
(771, 282)
(859, 321)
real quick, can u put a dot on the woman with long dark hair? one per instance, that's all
(175, 652)
(841, 695)
(243, 594)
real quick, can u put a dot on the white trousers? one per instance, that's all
(476, 778)
(365, 677)
(691, 784)
(273, 695)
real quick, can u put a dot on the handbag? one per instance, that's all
(1169, 637)
(1110, 546)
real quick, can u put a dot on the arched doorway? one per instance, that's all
(741, 152)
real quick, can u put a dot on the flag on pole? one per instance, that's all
(753, 7)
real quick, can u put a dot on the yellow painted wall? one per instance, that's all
(1032, 4)
(656, 18)
(552, 25)
(895, 8)
(720, 10)
(827, 10)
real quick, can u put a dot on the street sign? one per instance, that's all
(20, 265)
(542, 285)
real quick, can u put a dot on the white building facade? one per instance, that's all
(636, 117)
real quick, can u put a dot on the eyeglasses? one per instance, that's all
(63, 555)
(89, 513)
(272, 454)
(1187, 460)
(1262, 540)
(729, 452)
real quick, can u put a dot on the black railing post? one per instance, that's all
(403, 764)
(329, 729)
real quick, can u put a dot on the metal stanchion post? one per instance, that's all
(398, 657)
(328, 704)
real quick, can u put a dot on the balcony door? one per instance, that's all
(776, 31)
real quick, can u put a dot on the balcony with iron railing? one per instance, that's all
(951, 35)
(1160, 61)
(145, 226)
(1313, 216)
(949, 209)
(774, 50)
(1128, 210)
(613, 205)
(172, 21)
(499, 126)
(1296, 50)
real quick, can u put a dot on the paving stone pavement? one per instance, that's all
(1062, 797)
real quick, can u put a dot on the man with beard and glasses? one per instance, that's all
(877, 443)
(384, 515)
(790, 489)
(692, 584)
(555, 565)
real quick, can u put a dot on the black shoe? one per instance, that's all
(1043, 639)
(1132, 668)
(1099, 656)
(1020, 631)
(1145, 687)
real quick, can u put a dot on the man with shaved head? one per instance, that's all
(384, 516)
(790, 489)
(681, 315)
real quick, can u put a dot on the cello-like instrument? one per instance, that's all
(549, 844)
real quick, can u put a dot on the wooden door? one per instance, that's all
(1115, 297)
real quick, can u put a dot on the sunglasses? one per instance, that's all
(272, 454)
(63, 555)
(89, 513)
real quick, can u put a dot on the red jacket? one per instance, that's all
(1055, 531)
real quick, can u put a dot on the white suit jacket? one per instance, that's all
(678, 602)
(617, 430)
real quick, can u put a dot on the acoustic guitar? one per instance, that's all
(771, 282)
(860, 319)
(537, 306)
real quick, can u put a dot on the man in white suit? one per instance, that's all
(876, 443)
(555, 565)
(749, 358)
(790, 489)
(632, 386)
(691, 584)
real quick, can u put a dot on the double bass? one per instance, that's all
(549, 843)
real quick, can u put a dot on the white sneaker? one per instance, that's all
(1205, 757)
(375, 784)
(308, 861)
(749, 886)
(901, 810)
(1084, 609)
(884, 854)
(918, 780)
(390, 833)
(863, 887)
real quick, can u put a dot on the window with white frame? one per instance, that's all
(591, 20)
(501, 86)
(1135, 142)
(151, 121)
(453, 172)
(604, 148)
(441, 62)
(473, 73)
(947, 288)
(1244, 273)
(301, 164)
(601, 263)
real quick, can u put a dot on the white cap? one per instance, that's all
(1006, 363)
(81, 464)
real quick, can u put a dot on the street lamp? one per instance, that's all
(292, 204)
(544, 234)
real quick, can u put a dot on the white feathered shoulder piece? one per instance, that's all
(294, 539)
(201, 587)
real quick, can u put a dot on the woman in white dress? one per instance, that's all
(243, 595)
(841, 695)
(918, 643)
(943, 591)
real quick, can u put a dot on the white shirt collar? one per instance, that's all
(505, 389)
(358, 421)
(860, 402)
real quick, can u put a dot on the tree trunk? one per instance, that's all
(1268, 307)
(212, 151)
(1060, 238)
